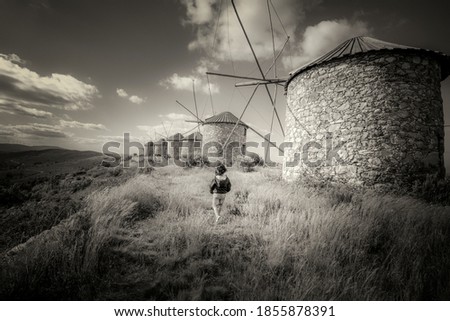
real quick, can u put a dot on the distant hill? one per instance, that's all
(48, 156)
(13, 148)
(21, 165)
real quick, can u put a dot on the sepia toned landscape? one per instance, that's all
(98, 233)
(212, 150)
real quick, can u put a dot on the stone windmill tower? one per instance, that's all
(380, 101)
(192, 144)
(173, 148)
(225, 133)
(160, 148)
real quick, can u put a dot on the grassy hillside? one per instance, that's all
(142, 234)
(13, 148)
(40, 188)
(19, 167)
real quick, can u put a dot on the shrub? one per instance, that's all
(246, 164)
(116, 171)
(146, 170)
(197, 161)
(81, 183)
(257, 160)
(13, 195)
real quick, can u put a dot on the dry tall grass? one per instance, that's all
(154, 237)
(65, 261)
(288, 242)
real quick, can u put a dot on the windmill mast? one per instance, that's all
(258, 64)
(257, 81)
(267, 155)
(195, 101)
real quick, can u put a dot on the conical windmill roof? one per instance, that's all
(360, 45)
(224, 118)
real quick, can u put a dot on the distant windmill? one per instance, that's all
(263, 80)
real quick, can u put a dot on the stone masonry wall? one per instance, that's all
(218, 133)
(368, 119)
(183, 149)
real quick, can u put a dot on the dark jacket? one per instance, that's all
(220, 184)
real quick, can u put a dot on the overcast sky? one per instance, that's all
(77, 73)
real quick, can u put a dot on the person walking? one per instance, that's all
(219, 187)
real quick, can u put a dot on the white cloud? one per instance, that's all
(120, 138)
(220, 38)
(35, 129)
(5, 131)
(76, 124)
(85, 140)
(175, 116)
(122, 93)
(178, 82)
(229, 41)
(323, 37)
(177, 126)
(134, 99)
(13, 58)
(33, 112)
(144, 127)
(205, 65)
(39, 130)
(199, 11)
(211, 87)
(26, 88)
(12, 108)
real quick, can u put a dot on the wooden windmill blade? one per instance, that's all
(243, 77)
(195, 101)
(187, 109)
(263, 80)
(161, 135)
(258, 64)
(165, 130)
(257, 81)
(242, 114)
(187, 132)
(198, 120)
(274, 64)
(262, 74)
(267, 140)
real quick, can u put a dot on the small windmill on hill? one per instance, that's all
(238, 130)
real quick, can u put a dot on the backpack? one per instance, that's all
(226, 184)
(223, 185)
